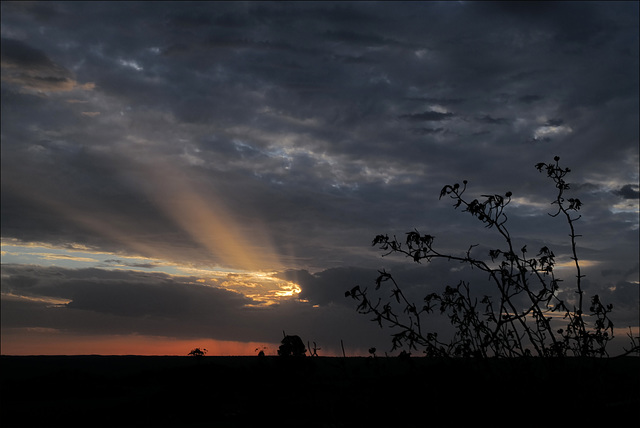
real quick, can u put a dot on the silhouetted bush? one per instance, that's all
(500, 324)
(197, 352)
(292, 346)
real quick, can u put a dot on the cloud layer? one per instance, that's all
(282, 137)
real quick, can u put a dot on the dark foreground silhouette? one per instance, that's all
(96, 391)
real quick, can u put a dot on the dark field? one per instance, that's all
(130, 391)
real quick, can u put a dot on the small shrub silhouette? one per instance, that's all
(499, 325)
(197, 352)
(313, 350)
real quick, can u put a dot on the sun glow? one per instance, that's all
(264, 287)
(226, 250)
(572, 264)
(203, 215)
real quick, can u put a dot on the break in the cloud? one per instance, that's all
(273, 141)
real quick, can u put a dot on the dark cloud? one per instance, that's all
(444, 101)
(493, 120)
(570, 23)
(628, 191)
(528, 99)
(329, 286)
(427, 116)
(31, 69)
(18, 54)
(134, 265)
(554, 122)
(345, 36)
(423, 131)
(124, 293)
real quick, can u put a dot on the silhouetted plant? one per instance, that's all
(635, 345)
(292, 346)
(313, 351)
(197, 352)
(497, 325)
(404, 354)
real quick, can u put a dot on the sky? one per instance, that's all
(211, 174)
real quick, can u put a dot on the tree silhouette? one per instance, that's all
(546, 324)
(292, 346)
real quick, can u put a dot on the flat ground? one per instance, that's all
(132, 391)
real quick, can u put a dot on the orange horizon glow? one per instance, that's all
(41, 341)
(35, 341)
(55, 343)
